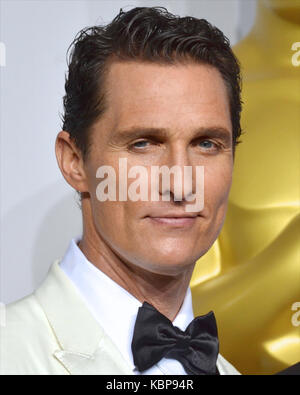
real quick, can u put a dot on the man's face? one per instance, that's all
(162, 115)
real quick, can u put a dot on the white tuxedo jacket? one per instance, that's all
(53, 332)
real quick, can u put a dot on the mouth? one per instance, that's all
(174, 220)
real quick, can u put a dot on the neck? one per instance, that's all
(274, 35)
(165, 292)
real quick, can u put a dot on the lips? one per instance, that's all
(174, 219)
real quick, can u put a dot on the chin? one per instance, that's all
(171, 263)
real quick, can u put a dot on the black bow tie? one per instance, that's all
(155, 338)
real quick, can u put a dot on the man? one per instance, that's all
(149, 90)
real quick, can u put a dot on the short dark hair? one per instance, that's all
(150, 34)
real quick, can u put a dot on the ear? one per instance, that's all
(70, 162)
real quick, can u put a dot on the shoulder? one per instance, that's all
(23, 310)
(27, 340)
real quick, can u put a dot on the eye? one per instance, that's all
(140, 144)
(207, 144)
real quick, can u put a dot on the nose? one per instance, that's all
(176, 180)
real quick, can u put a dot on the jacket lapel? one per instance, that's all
(84, 348)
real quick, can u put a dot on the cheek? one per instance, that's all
(115, 221)
(217, 185)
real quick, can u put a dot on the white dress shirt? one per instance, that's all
(116, 309)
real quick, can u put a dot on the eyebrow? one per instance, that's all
(135, 132)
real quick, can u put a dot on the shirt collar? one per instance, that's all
(111, 304)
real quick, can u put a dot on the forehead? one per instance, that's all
(160, 95)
